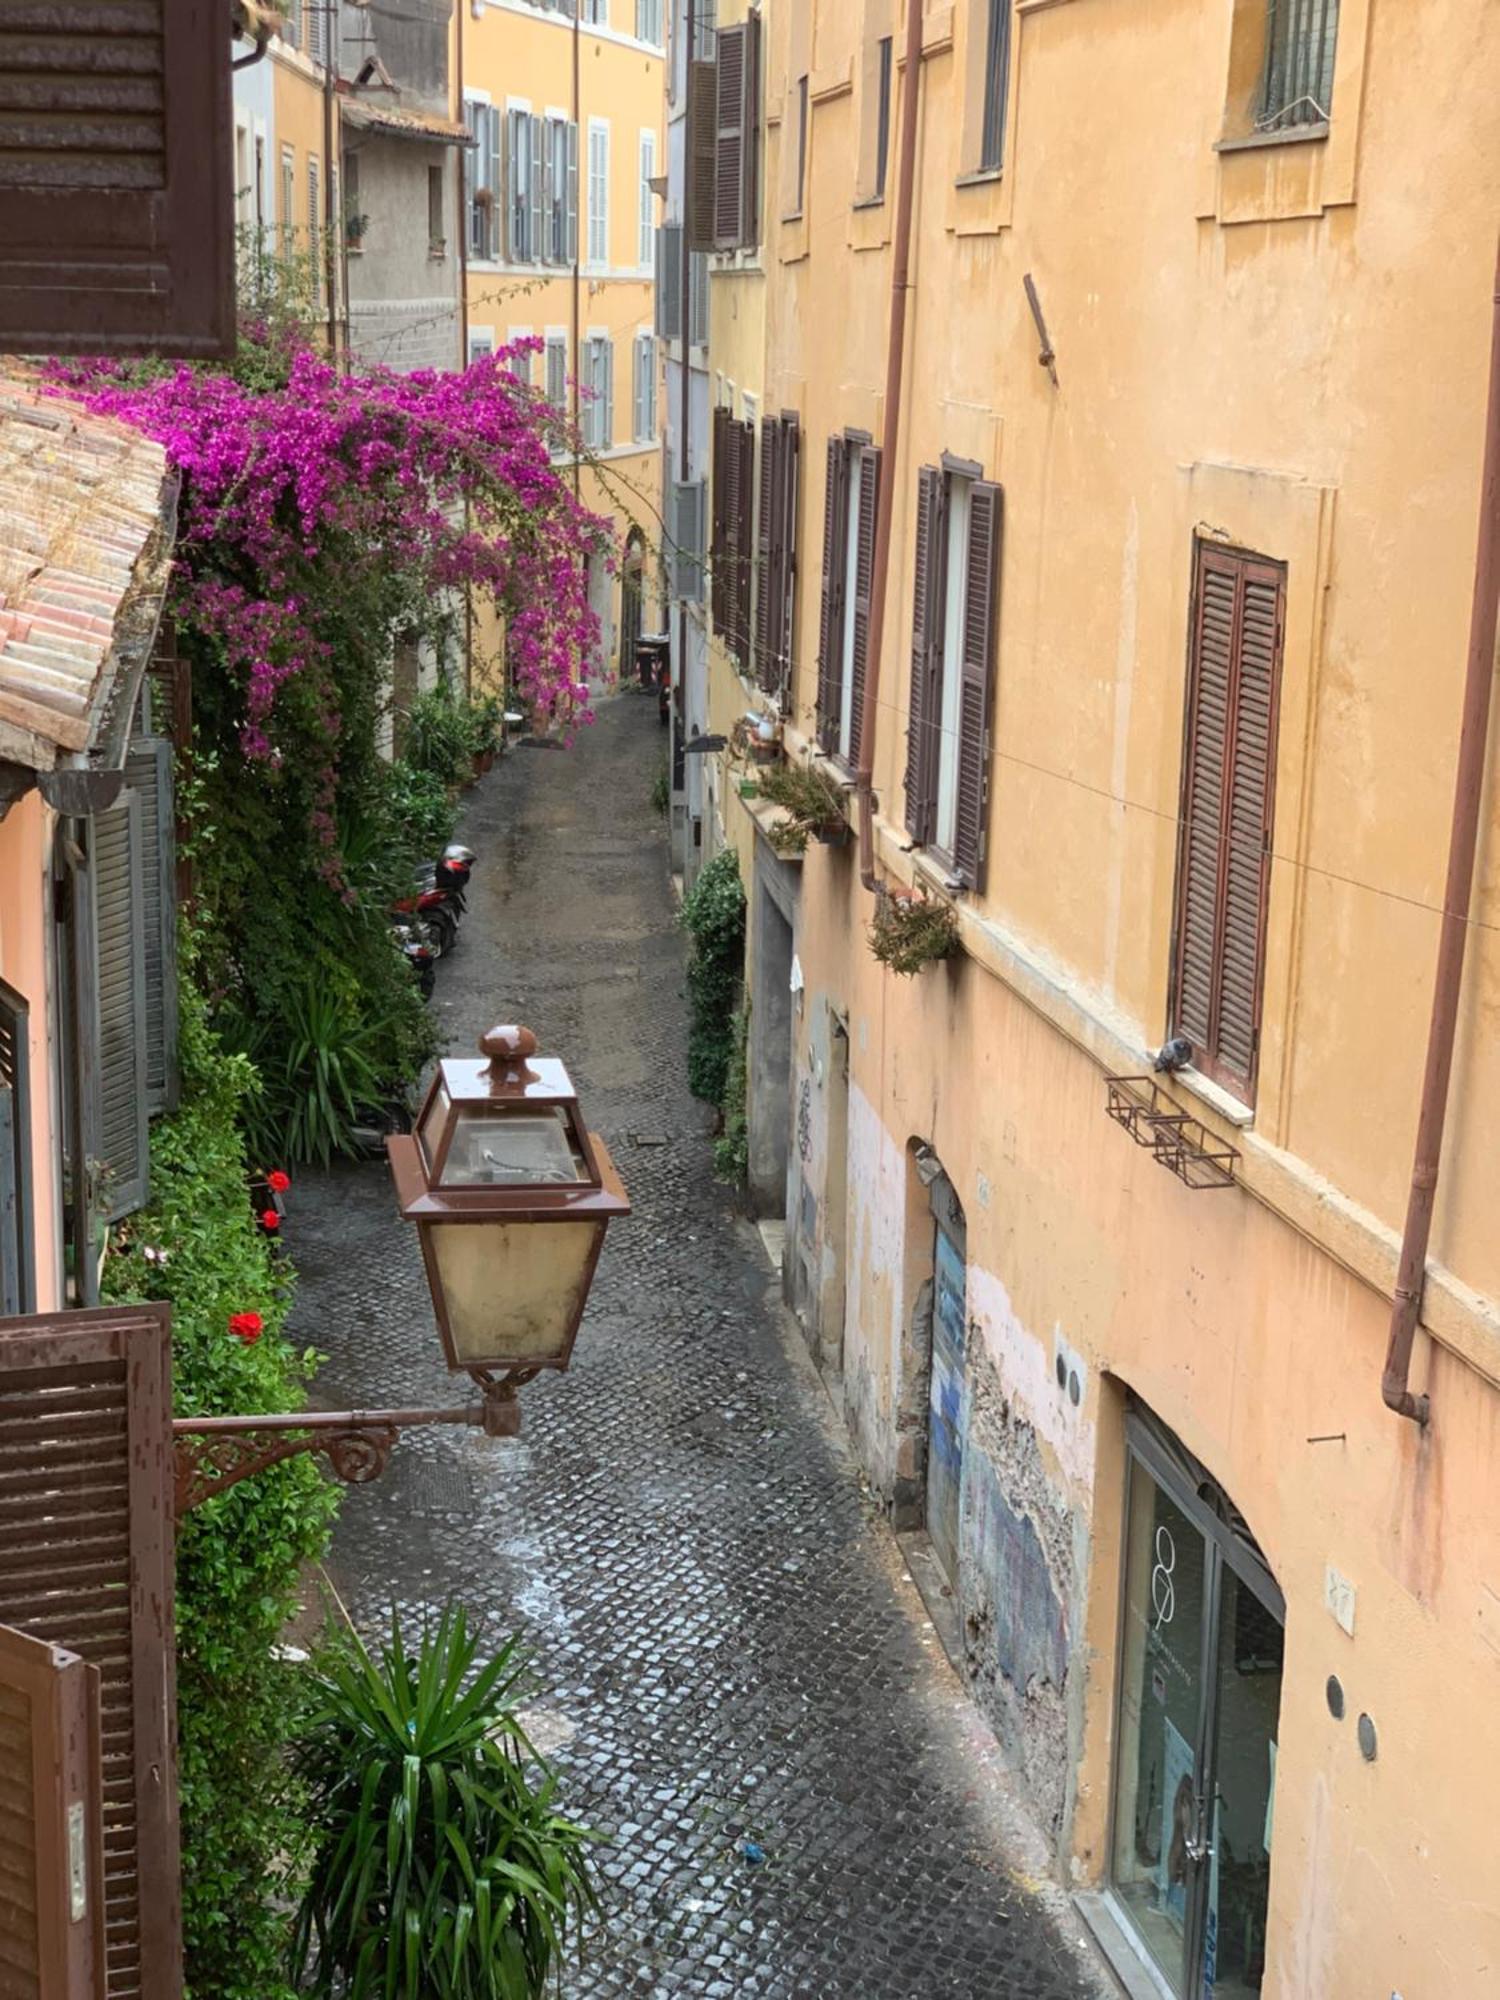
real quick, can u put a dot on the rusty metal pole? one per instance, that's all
(906, 175)
(330, 213)
(1468, 793)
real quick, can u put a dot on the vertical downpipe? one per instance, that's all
(330, 220)
(1468, 794)
(890, 441)
(580, 211)
(685, 378)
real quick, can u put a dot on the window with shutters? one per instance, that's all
(599, 192)
(669, 281)
(685, 526)
(314, 229)
(645, 251)
(481, 171)
(17, 1228)
(1297, 81)
(648, 22)
(481, 342)
(1228, 796)
(117, 208)
(596, 376)
(518, 364)
(850, 493)
(557, 372)
(524, 169)
(644, 398)
(86, 1564)
(288, 200)
(560, 193)
(732, 556)
(956, 595)
(736, 143)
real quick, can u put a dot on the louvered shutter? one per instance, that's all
(687, 538)
(86, 1561)
(786, 561)
(830, 620)
(924, 717)
(744, 543)
(148, 771)
(493, 224)
(606, 373)
(868, 473)
(976, 675)
(765, 552)
(110, 971)
(698, 299)
(719, 474)
(729, 139)
(17, 1239)
(750, 148)
(669, 281)
(517, 166)
(116, 184)
(702, 138)
(51, 1832)
(572, 242)
(536, 138)
(1228, 797)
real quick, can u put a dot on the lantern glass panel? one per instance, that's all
(430, 1131)
(513, 1291)
(520, 1145)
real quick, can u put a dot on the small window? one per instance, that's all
(801, 143)
(996, 85)
(557, 373)
(646, 234)
(481, 342)
(1297, 88)
(598, 192)
(648, 22)
(883, 118)
(437, 234)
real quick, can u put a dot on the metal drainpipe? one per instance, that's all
(685, 380)
(886, 502)
(579, 212)
(330, 250)
(462, 156)
(1468, 793)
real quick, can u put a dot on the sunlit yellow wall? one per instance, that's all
(1283, 346)
(516, 55)
(299, 134)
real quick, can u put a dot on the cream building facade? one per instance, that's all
(566, 113)
(1167, 711)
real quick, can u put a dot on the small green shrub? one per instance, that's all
(423, 810)
(732, 1147)
(812, 802)
(909, 932)
(239, 1556)
(439, 736)
(713, 915)
(439, 1869)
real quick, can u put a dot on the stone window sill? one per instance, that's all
(1252, 142)
(1232, 1109)
(981, 177)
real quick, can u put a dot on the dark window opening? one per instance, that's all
(996, 86)
(883, 128)
(1297, 88)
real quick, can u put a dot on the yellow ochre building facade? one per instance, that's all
(1167, 713)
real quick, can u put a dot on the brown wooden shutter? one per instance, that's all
(86, 1556)
(976, 676)
(1224, 854)
(116, 181)
(51, 1833)
(786, 565)
(830, 618)
(767, 552)
(923, 717)
(750, 150)
(718, 500)
(702, 137)
(864, 583)
(729, 139)
(744, 542)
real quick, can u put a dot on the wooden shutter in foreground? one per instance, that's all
(86, 1552)
(116, 181)
(51, 1835)
(868, 473)
(1224, 858)
(976, 674)
(830, 617)
(702, 136)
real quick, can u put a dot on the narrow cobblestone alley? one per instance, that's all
(731, 1660)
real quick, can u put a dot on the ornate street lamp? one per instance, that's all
(511, 1194)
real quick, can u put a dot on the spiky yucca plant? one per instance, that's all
(440, 1870)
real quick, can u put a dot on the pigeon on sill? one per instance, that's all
(1173, 1055)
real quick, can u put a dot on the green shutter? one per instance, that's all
(148, 770)
(113, 1010)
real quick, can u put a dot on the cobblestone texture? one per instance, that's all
(728, 1650)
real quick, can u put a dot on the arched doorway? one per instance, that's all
(632, 602)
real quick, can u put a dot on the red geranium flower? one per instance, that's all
(269, 1219)
(277, 1181)
(247, 1327)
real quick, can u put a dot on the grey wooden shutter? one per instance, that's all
(572, 193)
(493, 224)
(116, 184)
(86, 1563)
(669, 281)
(148, 771)
(976, 676)
(606, 375)
(729, 139)
(698, 299)
(924, 719)
(536, 136)
(687, 538)
(766, 552)
(51, 1825)
(701, 133)
(113, 1057)
(17, 1227)
(868, 473)
(517, 166)
(830, 617)
(1224, 854)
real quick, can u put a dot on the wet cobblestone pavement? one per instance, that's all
(729, 1654)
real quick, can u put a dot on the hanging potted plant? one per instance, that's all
(911, 929)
